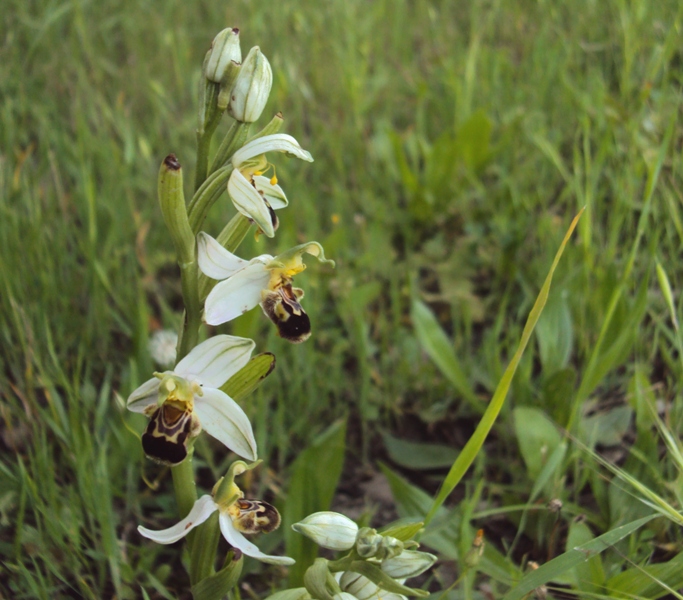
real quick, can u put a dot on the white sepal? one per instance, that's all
(214, 260)
(215, 360)
(277, 142)
(201, 511)
(237, 294)
(222, 418)
(249, 202)
(144, 396)
(237, 540)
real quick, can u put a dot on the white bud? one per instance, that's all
(329, 530)
(225, 49)
(368, 542)
(358, 585)
(409, 563)
(252, 87)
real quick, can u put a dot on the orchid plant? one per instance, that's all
(194, 396)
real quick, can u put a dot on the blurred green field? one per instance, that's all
(453, 144)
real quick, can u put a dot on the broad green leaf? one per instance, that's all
(474, 139)
(554, 333)
(474, 444)
(402, 531)
(537, 437)
(561, 564)
(440, 350)
(315, 474)
(649, 581)
(607, 428)
(249, 377)
(588, 576)
(416, 455)
(216, 586)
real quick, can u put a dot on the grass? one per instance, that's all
(453, 143)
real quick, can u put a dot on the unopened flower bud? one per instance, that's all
(358, 585)
(390, 547)
(328, 530)
(172, 202)
(368, 542)
(252, 87)
(409, 563)
(225, 50)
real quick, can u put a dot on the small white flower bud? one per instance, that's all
(329, 530)
(390, 547)
(368, 542)
(252, 87)
(409, 563)
(225, 49)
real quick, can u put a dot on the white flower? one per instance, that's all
(237, 515)
(256, 196)
(203, 508)
(182, 402)
(263, 280)
(329, 530)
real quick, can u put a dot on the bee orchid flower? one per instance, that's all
(236, 517)
(182, 402)
(264, 280)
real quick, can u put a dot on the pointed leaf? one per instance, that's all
(570, 559)
(217, 586)
(249, 377)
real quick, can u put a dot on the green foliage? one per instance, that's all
(453, 141)
(314, 478)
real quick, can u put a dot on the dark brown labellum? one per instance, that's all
(282, 308)
(167, 434)
(256, 516)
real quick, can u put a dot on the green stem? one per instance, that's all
(204, 135)
(233, 140)
(204, 548)
(184, 486)
(189, 333)
(206, 196)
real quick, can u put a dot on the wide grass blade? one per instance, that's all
(471, 449)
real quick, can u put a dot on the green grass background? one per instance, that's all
(453, 143)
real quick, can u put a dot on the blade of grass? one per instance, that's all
(575, 556)
(588, 381)
(471, 449)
